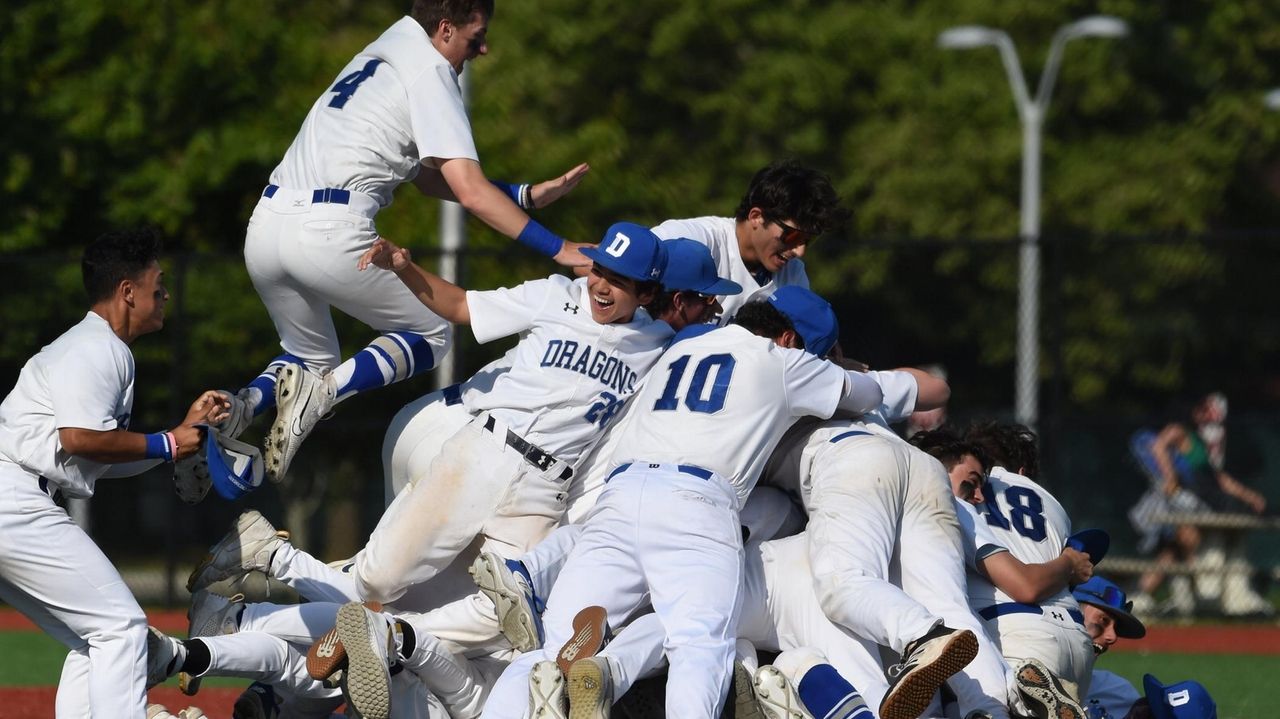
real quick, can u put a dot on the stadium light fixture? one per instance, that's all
(1031, 111)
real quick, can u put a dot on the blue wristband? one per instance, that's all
(539, 238)
(508, 189)
(158, 447)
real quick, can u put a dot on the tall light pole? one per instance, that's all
(1032, 112)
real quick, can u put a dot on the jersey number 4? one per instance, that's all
(347, 86)
(714, 369)
(1026, 513)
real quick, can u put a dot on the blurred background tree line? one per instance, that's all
(1161, 175)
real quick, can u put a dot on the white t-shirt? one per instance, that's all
(1024, 518)
(722, 400)
(570, 375)
(83, 379)
(395, 105)
(719, 235)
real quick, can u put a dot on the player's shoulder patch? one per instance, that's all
(693, 331)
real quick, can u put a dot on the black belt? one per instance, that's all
(45, 485)
(531, 453)
(692, 469)
(330, 195)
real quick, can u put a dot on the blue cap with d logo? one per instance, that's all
(631, 250)
(810, 315)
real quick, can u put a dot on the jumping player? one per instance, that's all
(65, 425)
(394, 114)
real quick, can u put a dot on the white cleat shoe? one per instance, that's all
(507, 584)
(547, 699)
(158, 711)
(926, 663)
(370, 647)
(191, 713)
(210, 615)
(248, 546)
(590, 689)
(1044, 694)
(164, 656)
(777, 697)
(303, 398)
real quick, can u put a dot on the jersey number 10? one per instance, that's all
(716, 369)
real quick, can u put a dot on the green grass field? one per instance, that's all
(1239, 683)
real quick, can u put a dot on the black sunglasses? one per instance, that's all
(792, 236)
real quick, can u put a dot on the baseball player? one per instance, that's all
(666, 527)
(1108, 618)
(1028, 521)
(64, 426)
(394, 114)
(786, 206)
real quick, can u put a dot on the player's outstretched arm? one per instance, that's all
(1032, 583)
(438, 294)
(117, 445)
(473, 191)
(932, 391)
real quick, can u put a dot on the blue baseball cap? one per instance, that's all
(1093, 542)
(235, 468)
(811, 315)
(691, 267)
(631, 250)
(1184, 700)
(1110, 598)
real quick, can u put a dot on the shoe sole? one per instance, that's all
(196, 582)
(368, 680)
(517, 625)
(1045, 695)
(546, 692)
(188, 684)
(590, 691)
(775, 698)
(913, 692)
(287, 392)
(590, 632)
(327, 655)
(745, 703)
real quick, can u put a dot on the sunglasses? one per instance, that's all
(792, 236)
(1112, 597)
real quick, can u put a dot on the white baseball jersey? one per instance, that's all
(1024, 518)
(713, 402)
(83, 379)
(570, 375)
(394, 106)
(718, 234)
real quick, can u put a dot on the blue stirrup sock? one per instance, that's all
(392, 357)
(263, 387)
(827, 695)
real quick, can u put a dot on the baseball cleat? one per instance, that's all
(777, 697)
(164, 656)
(367, 639)
(507, 584)
(247, 547)
(926, 663)
(257, 702)
(191, 478)
(590, 689)
(158, 711)
(1044, 694)
(191, 713)
(256, 587)
(210, 615)
(590, 634)
(326, 656)
(303, 398)
(746, 705)
(547, 698)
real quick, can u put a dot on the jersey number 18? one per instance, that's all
(1026, 513)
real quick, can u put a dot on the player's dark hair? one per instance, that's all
(116, 257)
(786, 190)
(429, 13)
(762, 318)
(664, 301)
(944, 445)
(1012, 446)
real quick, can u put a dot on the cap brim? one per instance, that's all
(1154, 692)
(1093, 542)
(1127, 626)
(604, 259)
(722, 287)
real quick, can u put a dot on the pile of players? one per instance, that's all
(673, 469)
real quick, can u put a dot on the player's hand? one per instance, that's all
(545, 193)
(1256, 502)
(386, 255)
(188, 437)
(209, 408)
(570, 255)
(1080, 566)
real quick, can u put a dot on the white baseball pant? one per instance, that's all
(414, 438)
(887, 558)
(1052, 637)
(301, 257)
(53, 573)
